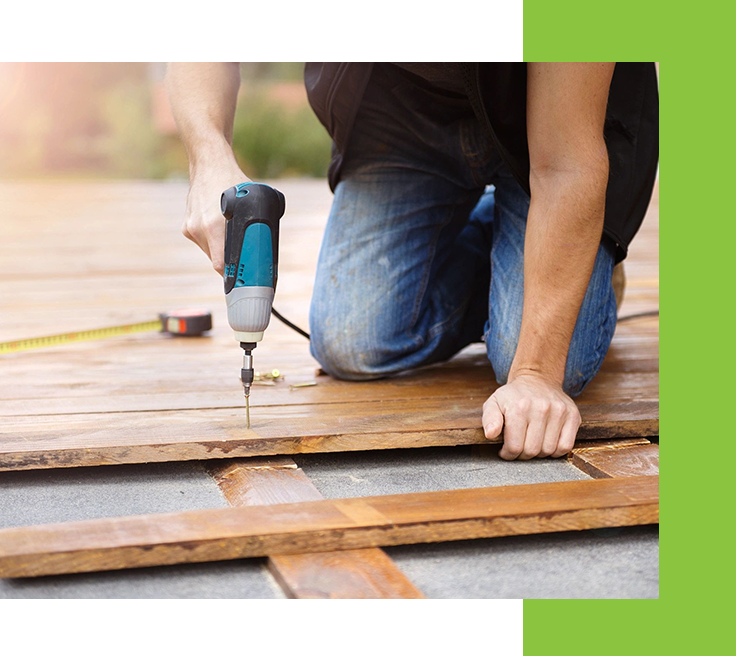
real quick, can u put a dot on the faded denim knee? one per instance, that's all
(341, 352)
(501, 352)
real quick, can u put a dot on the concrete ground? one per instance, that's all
(613, 563)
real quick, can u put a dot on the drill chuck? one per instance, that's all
(246, 373)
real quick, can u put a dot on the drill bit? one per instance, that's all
(246, 376)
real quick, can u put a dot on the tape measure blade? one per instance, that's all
(79, 336)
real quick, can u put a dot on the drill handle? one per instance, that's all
(253, 212)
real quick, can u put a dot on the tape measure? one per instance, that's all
(182, 322)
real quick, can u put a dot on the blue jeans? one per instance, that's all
(423, 252)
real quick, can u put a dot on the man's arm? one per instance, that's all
(566, 108)
(203, 98)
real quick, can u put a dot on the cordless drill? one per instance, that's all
(253, 211)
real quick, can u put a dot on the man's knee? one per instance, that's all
(576, 381)
(501, 352)
(341, 351)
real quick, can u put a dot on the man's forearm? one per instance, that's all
(566, 109)
(563, 233)
(203, 100)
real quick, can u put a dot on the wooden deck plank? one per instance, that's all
(329, 525)
(136, 437)
(630, 460)
(353, 574)
(154, 398)
(270, 481)
(48, 389)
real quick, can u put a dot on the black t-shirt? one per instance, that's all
(496, 92)
(440, 75)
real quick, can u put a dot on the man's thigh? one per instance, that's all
(388, 273)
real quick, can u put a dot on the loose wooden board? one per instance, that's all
(629, 460)
(155, 398)
(353, 574)
(137, 437)
(230, 533)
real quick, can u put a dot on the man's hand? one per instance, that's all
(536, 416)
(204, 223)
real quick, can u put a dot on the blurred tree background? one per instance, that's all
(113, 121)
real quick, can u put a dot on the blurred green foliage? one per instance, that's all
(265, 71)
(129, 142)
(110, 120)
(271, 140)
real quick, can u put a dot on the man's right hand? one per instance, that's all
(204, 223)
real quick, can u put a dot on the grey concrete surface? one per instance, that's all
(371, 473)
(64, 495)
(604, 564)
(244, 579)
(616, 563)
(613, 563)
(39, 497)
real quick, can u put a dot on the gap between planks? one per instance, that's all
(327, 525)
(355, 574)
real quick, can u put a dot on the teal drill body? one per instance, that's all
(253, 212)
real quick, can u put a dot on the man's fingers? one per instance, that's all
(536, 417)
(210, 237)
(218, 263)
(567, 434)
(492, 419)
(215, 232)
(514, 432)
(193, 233)
(555, 421)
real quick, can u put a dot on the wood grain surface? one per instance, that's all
(117, 256)
(328, 525)
(352, 574)
(632, 460)
(40, 442)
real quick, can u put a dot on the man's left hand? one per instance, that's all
(537, 418)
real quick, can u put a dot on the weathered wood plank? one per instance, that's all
(353, 574)
(107, 402)
(230, 533)
(243, 485)
(584, 445)
(634, 460)
(158, 376)
(135, 437)
(270, 481)
(629, 385)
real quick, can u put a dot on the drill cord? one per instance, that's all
(280, 317)
(639, 315)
